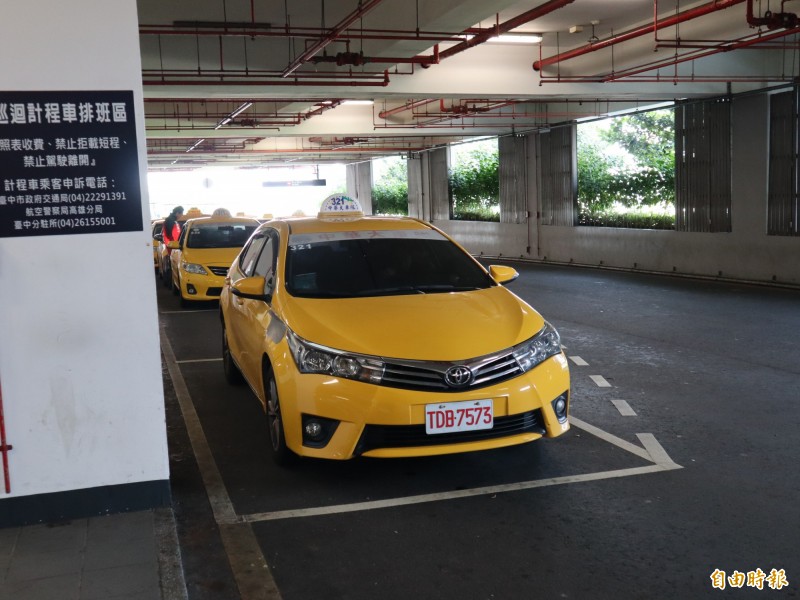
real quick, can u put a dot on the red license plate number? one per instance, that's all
(449, 417)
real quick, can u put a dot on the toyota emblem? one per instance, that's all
(458, 377)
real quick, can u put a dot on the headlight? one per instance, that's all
(192, 268)
(311, 358)
(539, 348)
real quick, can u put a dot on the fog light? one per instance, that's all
(317, 431)
(560, 407)
(313, 430)
(191, 289)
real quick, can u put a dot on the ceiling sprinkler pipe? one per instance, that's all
(686, 15)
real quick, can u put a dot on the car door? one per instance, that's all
(256, 314)
(238, 310)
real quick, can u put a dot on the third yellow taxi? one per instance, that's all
(382, 337)
(199, 260)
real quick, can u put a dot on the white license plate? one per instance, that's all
(448, 417)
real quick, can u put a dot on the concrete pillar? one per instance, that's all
(80, 364)
(359, 184)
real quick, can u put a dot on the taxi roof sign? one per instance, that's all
(340, 207)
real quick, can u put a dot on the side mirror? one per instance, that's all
(502, 274)
(173, 245)
(251, 288)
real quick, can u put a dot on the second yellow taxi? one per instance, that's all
(199, 260)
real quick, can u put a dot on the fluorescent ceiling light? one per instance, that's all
(358, 102)
(516, 38)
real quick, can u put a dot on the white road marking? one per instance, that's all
(624, 408)
(579, 361)
(249, 567)
(436, 497)
(610, 438)
(197, 360)
(653, 452)
(656, 451)
(599, 380)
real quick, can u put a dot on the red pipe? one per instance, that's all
(407, 106)
(334, 33)
(310, 32)
(727, 47)
(525, 17)
(686, 15)
(4, 448)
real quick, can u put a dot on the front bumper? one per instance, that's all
(379, 421)
(201, 287)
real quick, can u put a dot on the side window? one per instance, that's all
(182, 237)
(249, 257)
(266, 262)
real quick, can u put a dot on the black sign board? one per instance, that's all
(68, 163)
(315, 182)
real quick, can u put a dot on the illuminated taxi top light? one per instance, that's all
(338, 207)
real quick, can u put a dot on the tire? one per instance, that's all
(281, 455)
(232, 373)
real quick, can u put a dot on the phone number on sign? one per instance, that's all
(36, 224)
(87, 222)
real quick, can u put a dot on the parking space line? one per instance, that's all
(652, 452)
(579, 361)
(656, 451)
(599, 380)
(248, 564)
(197, 360)
(610, 438)
(455, 494)
(624, 408)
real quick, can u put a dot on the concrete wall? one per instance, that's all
(746, 253)
(80, 363)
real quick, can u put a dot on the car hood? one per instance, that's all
(210, 256)
(446, 327)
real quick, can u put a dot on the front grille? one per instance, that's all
(221, 271)
(429, 376)
(409, 436)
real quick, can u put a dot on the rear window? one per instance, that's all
(394, 263)
(219, 235)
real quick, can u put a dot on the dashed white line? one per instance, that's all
(579, 361)
(599, 380)
(624, 408)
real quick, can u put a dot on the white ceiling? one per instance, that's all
(249, 82)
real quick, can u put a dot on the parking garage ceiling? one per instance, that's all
(252, 83)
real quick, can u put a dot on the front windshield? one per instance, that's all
(379, 266)
(219, 235)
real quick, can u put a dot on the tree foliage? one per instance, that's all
(641, 173)
(475, 185)
(390, 192)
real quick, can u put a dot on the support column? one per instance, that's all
(80, 363)
(359, 184)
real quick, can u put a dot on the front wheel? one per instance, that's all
(281, 454)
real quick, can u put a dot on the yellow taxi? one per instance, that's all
(382, 337)
(199, 260)
(155, 233)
